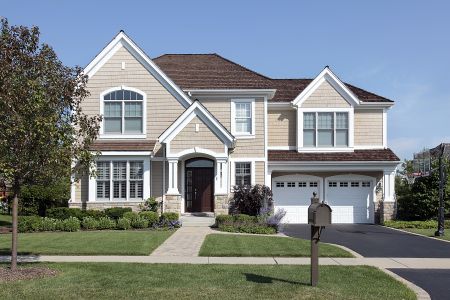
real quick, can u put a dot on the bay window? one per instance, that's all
(325, 129)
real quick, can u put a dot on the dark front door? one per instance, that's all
(199, 185)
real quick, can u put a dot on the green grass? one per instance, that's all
(87, 242)
(247, 245)
(170, 281)
(430, 232)
(5, 220)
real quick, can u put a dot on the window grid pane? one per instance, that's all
(325, 120)
(243, 117)
(119, 170)
(132, 116)
(243, 173)
(309, 120)
(341, 120)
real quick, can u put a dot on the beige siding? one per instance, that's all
(162, 107)
(221, 109)
(156, 174)
(325, 96)
(82, 189)
(368, 127)
(259, 172)
(282, 127)
(188, 138)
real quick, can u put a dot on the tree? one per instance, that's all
(43, 130)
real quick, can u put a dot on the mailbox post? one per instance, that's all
(319, 216)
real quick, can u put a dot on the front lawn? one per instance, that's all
(170, 281)
(427, 228)
(247, 245)
(5, 220)
(430, 232)
(87, 242)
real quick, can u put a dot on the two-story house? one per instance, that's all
(186, 128)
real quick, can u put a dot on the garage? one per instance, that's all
(293, 194)
(350, 198)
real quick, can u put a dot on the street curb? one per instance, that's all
(418, 234)
(352, 252)
(420, 293)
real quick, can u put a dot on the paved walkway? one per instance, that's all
(185, 242)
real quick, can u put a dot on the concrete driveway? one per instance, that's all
(375, 240)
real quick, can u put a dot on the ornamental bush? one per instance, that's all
(131, 215)
(116, 212)
(27, 223)
(170, 216)
(96, 214)
(250, 200)
(71, 224)
(106, 223)
(151, 217)
(63, 213)
(123, 224)
(47, 224)
(224, 220)
(89, 223)
(139, 223)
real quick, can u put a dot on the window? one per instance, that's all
(280, 184)
(243, 173)
(343, 184)
(123, 176)
(242, 114)
(325, 129)
(313, 184)
(366, 184)
(302, 184)
(123, 112)
(332, 184)
(355, 184)
(291, 184)
(103, 184)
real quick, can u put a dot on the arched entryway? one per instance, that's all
(199, 185)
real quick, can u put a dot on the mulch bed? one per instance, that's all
(5, 230)
(25, 273)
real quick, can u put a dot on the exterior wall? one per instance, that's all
(82, 189)
(162, 107)
(282, 129)
(220, 107)
(156, 177)
(259, 172)
(188, 138)
(221, 204)
(368, 127)
(325, 96)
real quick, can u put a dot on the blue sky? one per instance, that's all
(398, 49)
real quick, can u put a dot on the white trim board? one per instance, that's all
(122, 40)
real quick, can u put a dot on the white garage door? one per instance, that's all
(350, 198)
(293, 194)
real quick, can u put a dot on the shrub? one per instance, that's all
(169, 216)
(139, 223)
(27, 223)
(116, 212)
(130, 215)
(244, 219)
(123, 223)
(150, 216)
(89, 223)
(251, 199)
(63, 213)
(96, 214)
(275, 219)
(430, 224)
(71, 224)
(149, 205)
(106, 223)
(224, 220)
(47, 224)
(59, 225)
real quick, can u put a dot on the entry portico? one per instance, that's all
(196, 174)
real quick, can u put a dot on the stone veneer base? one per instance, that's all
(103, 205)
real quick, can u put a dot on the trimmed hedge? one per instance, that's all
(123, 223)
(106, 223)
(430, 224)
(62, 213)
(170, 216)
(89, 223)
(244, 224)
(116, 212)
(151, 217)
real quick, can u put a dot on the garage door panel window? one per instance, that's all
(343, 184)
(355, 184)
(332, 184)
(313, 184)
(302, 184)
(366, 184)
(325, 129)
(291, 184)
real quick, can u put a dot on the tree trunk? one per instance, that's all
(14, 230)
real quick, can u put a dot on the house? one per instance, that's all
(186, 128)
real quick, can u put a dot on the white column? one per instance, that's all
(173, 177)
(268, 179)
(92, 186)
(220, 186)
(146, 179)
(389, 186)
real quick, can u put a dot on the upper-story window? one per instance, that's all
(123, 112)
(242, 117)
(325, 129)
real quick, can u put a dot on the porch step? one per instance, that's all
(197, 221)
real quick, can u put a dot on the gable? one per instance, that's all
(325, 96)
(189, 137)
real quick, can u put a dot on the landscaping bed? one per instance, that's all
(170, 281)
(135, 242)
(426, 228)
(248, 245)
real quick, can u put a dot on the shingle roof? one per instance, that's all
(357, 155)
(212, 71)
(131, 145)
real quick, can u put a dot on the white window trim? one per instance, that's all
(240, 135)
(92, 193)
(233, 171)
(142, 135)
(351, 126)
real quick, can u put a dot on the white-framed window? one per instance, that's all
(120, 180)
(243, 173)
(325, 129)
(243, 117)
(123, 113)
